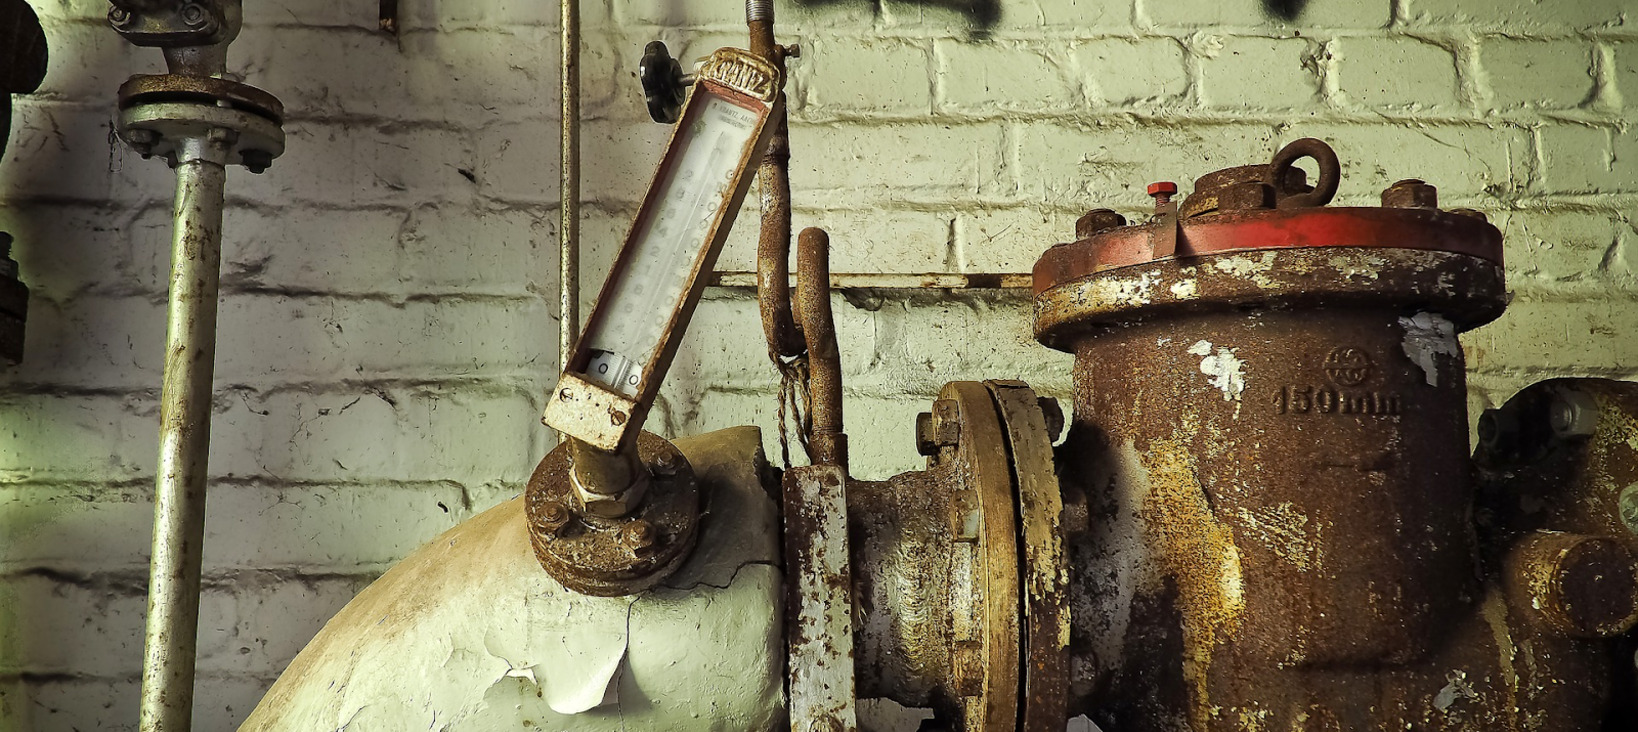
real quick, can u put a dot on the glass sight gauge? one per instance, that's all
(651, 291)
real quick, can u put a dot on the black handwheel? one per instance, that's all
(662, 83)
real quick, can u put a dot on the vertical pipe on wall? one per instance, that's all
(568, 270)
(184, 440)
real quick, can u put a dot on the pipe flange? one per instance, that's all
(609, 557)
(157, 112)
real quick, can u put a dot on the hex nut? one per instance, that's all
(1411, 193)
(637, 536)
(1572, 414)
(554, 517)
(925, 446)
(946, 423)
(1097, 221)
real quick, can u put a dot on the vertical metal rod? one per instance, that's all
(184, 440)
(568, 269)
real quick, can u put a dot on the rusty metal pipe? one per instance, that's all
(773, 249)
(828, 440)
(568, 261)
(184, 441)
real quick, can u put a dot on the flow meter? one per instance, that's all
(650, 294)
(614, 509)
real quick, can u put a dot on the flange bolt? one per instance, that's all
(637, 536)
(553, 517)
(1411, 193)
(194, 15)
(1572, 414)
(1162, 192)
(1097, 221)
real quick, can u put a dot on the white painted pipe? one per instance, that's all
(469, 633)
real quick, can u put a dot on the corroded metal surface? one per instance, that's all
(608, 556)
(1271, 515)
(1045, 570)
(960, 572)
(820, 609)
(827, 440)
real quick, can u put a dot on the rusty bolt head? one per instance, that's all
(637, 536)
(1411, 193)
(553, 517)
(924, 435)
(666, 464)
(194, 15)
(120, 17)
(1470, 213)
(946, 423)
(1164, 188)
(793, 50)
(1572, 414)
(1096, 221)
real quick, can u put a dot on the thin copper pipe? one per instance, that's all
(568, 260)
(828, 441)
(773, 249)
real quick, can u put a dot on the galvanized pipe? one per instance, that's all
(568, 261)
(184, 441)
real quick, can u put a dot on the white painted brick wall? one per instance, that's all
(388, 325)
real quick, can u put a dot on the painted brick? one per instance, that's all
(48, 139)
(309, 13)
(1557, 338)
(507, 252)
(427, 434)
(1397, 71)
(77, 437)
(1257, 73)
(271, 249)
(265, 58)
(889, 76)
(1110, 164)
(77, 529)
(930, 162)
(1625, 69)
(68, 249)
(1244, 13)
(1074, 16)
(1538, 74)
(1524, 17)
(518, 162)
(1580, 159)
(1008, 240)
(1554, 247)
(349, 164)
(99, 63)
(92, 342)
(1465, 163)
(107, 705)
(999, 76)
(1121, 71)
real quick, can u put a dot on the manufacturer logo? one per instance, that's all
(1348, 366)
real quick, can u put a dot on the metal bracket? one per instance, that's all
(822, 684)
(170, 24)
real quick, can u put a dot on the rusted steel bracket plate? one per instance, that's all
(1044, 576)
(820, 608)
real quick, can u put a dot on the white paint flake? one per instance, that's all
(1427, 335)
(1225, 369)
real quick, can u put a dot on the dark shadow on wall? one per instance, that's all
(1285, 9)
(981, 15)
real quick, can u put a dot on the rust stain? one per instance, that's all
(1195, 548)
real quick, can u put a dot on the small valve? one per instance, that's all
(664, 85)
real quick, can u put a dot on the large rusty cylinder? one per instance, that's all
(1297, 469)
(1270, 440)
